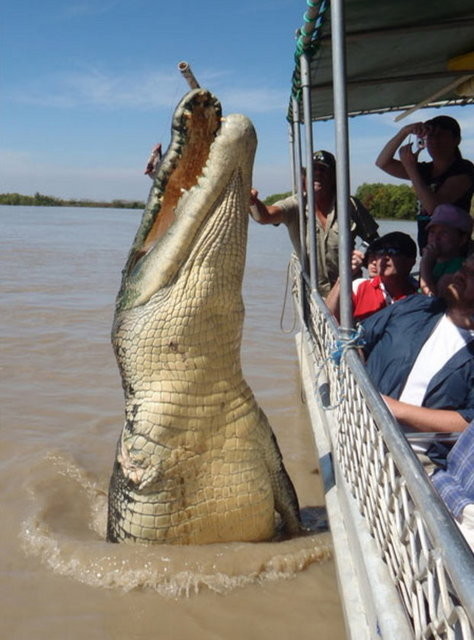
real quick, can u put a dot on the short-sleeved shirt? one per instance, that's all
(456, 484)
(327, 239)
(371, 296)
(449, 266)
(459, 167)
(393, 339)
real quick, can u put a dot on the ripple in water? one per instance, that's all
(67, 528)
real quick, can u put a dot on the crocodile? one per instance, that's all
(197, 461)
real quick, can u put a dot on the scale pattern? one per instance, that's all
(197, 461)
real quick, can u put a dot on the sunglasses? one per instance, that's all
(387, 251)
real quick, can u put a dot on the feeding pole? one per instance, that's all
(188, 75)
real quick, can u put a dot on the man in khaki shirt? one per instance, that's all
(327, 229)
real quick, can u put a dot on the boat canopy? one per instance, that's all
(399, 55)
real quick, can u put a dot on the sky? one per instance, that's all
(88, 87)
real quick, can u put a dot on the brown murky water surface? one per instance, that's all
(61, 414)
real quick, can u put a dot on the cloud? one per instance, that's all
(22, 173)
(94, 87)
(142, 90)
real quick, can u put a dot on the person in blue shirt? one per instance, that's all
(455, 484)
(420, 355)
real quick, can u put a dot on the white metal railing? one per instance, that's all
(428, 560)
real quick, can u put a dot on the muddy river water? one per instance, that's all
(61, 414)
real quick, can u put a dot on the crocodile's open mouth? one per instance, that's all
(207, 156)
(196, 123)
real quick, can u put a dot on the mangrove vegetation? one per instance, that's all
(382, 200)
(40, 200)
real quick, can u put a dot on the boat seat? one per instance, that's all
(432, 448)
(434, 436)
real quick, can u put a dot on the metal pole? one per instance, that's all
(311, 220)
(342, 165)
(299, 184)
(188, 75)
(291, 140)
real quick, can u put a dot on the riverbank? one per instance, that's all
(41, 200)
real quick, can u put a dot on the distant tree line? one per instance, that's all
(40, 200)
(388, 200)
(276, 196)
(382, 200)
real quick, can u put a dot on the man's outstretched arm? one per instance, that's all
(262, 213)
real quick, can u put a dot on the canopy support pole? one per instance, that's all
(342, 164)
(298, 188)
(310, 203)
(298, 181)
(439, 94)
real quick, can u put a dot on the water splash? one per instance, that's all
(66, 531)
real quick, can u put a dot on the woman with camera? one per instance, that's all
(448, 178)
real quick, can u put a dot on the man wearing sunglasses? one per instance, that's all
(394, 255)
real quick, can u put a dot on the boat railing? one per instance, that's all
(429, 563)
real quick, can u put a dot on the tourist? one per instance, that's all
(420, 355)
(449, 238)
(327, 231)
(448, 178)
(455, 484)
(394, 255)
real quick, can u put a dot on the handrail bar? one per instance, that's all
(456, 553)
(447, 540)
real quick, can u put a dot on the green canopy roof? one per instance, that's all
(399, 53)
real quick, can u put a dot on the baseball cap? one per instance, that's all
(397, 241)
(325, 158)
(445, 122)
(451, 216)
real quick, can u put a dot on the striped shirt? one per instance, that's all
(456, 484)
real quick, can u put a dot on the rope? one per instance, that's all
(337, 351)
(285, 298)
(307, 42)
(340, 346)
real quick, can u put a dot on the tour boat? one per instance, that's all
(404, 569)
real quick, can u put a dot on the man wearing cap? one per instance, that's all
(327, 230)
(448, 178)
(395, 255)
(420, 355)
(449, 239)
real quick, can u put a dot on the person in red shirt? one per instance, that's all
(395, 256)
